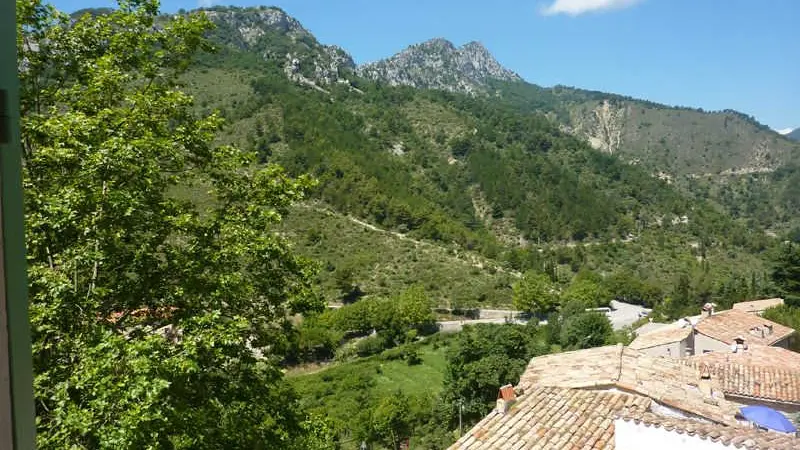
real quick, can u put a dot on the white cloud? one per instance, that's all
(205, 3)
(785, 131)
(577, 7)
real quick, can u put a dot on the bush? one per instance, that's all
(372, 345)
(412, 357)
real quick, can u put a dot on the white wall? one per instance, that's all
(703, 343)
(671, 350)
(630, 436)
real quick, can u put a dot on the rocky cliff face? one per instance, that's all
(275, 35)
(438, 64)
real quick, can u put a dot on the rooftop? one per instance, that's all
(755, 355)
(726, 326)
(666, 380)
(760, 372)
(650, 327)
(755, 306)
(553, 418)
(736, 437)
(571, 400)
(661, 336)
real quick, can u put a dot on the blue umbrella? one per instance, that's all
(768, 418)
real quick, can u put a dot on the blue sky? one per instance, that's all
(713, 54)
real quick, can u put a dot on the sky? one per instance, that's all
(710, 54)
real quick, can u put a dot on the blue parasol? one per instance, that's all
(768, 418)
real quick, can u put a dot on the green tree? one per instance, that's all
(392, 420)
(787, 270)
(145, 310)
(587, 291)
(414, 308)
(535, 293)
(586, 330)
(485, 357)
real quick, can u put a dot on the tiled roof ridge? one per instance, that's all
(777, 384)
(738, 437)
(554, 418)
(710, 326)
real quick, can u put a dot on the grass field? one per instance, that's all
(346, 393)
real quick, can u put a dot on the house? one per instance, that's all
(719, 331)
(758, 306)
(755, 374)
(635, 430)
(669, 341)
(650, 326)
(616, 397)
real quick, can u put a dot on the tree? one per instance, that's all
(535, 293)
(586, 330)
(485, 357)
(787, 270)
(413, 307)
(145, 306)
(587, 291)
(392, 420)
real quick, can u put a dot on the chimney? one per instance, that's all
(708, 309)
(505, 398)
(705, 380)
(768, 328)
(738, 344)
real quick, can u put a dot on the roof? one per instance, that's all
(661, 336)
(768, 373)
(553, 418)
(650, 327)
(739, 437)
(666, 380)
(757, 355)
(758, 305)
(726, 326)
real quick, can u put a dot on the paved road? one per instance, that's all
(453, 326)
(624, 314)
(621, 316)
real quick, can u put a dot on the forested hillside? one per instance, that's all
(725, 157)
(470, 174)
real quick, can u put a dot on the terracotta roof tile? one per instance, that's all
(666, 380)
(771, 381)
(756, 306)
(740, 437)
(551, 418)
(756, 355)
(726, 326)
(661, 336)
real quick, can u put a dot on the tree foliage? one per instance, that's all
(484, 358)
(146, 310)
(586, 330)
(535, 293)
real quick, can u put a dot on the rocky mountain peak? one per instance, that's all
(252, 23)
(439, 64)
(277, 36)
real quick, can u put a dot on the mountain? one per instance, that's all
(794, 134)
(272, 35)
(438, 64)
(437, 182)
(725, 156)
